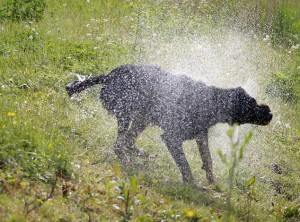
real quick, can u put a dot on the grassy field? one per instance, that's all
(56, 156)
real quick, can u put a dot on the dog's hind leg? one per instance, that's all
(123, 124)
(175, 148)
(136, 128)
(202, 142)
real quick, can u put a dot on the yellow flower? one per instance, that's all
(24, 184)
(15, 122)
(190, 213)
(11, 114)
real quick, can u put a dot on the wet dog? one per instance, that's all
(139, 95)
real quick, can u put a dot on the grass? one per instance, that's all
(56, 160)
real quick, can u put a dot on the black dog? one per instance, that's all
(139, 95)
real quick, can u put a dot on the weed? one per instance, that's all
(236, 156)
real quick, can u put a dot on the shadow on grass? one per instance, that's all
(171, 188)
(177, 190)
(187, 193)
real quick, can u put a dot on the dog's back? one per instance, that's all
(130, 90)
(151, 92)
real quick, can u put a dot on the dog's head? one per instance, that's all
(246, 109)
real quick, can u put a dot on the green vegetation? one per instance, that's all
(18, 10)
(56, 160)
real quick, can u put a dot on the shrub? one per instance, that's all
(286, 84)
(22, 10)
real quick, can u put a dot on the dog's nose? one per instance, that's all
(271, 114)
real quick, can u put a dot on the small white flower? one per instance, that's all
(136, 201)
(116, 206)
(30, 37)
(267, 38)
(120, 197)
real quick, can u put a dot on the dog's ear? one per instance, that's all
(240, 90)
(237, 94)
(243, 95)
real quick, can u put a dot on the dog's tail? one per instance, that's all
(78, 86)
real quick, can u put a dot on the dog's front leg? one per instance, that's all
(175, 148)
(202, 142)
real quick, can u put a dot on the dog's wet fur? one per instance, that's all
(139, 95)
